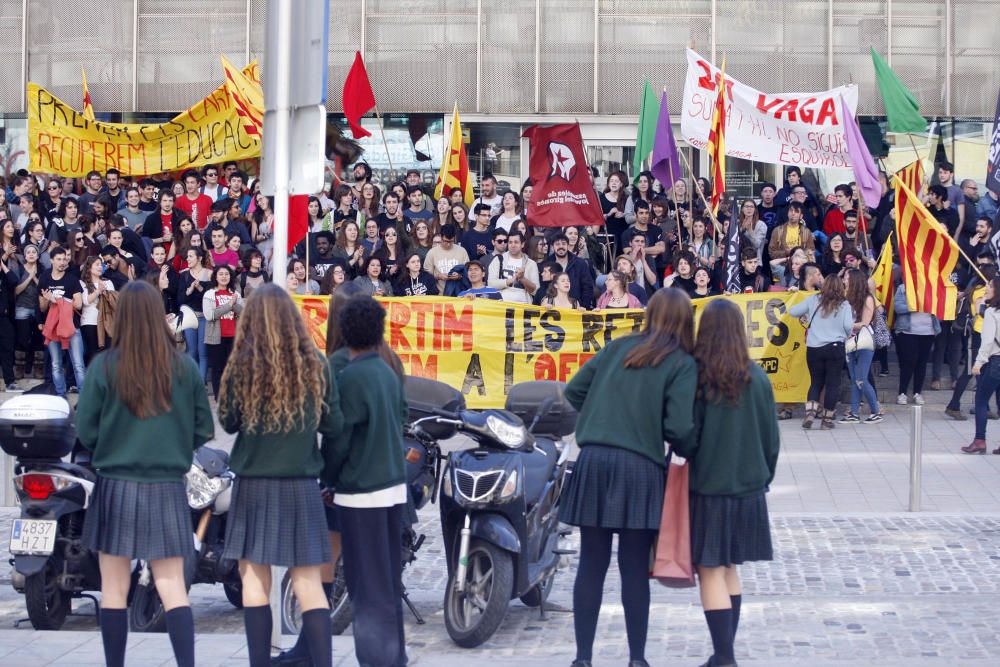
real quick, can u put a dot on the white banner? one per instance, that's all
(803, 129)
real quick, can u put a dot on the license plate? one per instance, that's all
(33, 537)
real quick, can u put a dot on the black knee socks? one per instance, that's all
(300, 650)
(736, 601)
(720, 626)
(257, 621)
(316, 629)
(114, 633)
(180, 627)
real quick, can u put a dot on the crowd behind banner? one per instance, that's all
(204, 238)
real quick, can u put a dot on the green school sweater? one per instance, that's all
(634, 408)
(733, 450)
(288, 453)
(368, 454)
(156, 449)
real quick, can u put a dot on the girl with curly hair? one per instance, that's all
(277, 394)
(732, 457)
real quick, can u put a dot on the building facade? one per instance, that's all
(513, 63)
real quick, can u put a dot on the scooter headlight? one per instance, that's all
(510, 435)
(202, 489)
(510, 486)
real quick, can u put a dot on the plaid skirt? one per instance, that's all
(613, 488)
(277, 521)
(147, 520)
(728, 531)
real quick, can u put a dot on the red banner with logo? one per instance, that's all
(563, 194)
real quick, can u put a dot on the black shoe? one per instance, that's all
(638, 663)
(581, 663)
(290, 659)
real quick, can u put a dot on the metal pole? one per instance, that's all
(829, 44)
(246, 51)
(948, 56)
(135, 56)
(888, 33)
(916, 444)
(24, 57)
(597, 54)
(538, 47)
(364, 29)
(479, 54)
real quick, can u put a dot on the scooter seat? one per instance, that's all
(538, 467)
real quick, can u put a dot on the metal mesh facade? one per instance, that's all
(647, 42)
(424, 55)
(10, 55)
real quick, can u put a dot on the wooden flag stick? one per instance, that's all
(708, 209)
(385, 143)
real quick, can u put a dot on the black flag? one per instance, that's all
(733, 241)
(993, 162)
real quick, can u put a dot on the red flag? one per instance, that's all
(563, 196)
(359, 98)
(298, 219)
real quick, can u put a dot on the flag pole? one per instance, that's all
(708, 209)
(385, 143)
(673, 193)
(607, 241)
(862, 225)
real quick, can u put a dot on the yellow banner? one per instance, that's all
(63, 141)
(484, 347)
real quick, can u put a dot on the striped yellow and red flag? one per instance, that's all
(88, 106)
(913, 176)
(927, 255)
(884, 289)
(717, 142)
(248, 97)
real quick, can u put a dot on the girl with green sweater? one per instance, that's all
(732, 455)
(632, 396)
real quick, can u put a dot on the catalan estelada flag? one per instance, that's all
(884, 289)
(913, 176)
(247, 95)
(88, 106)
(717, 143)
(455, 166)
(927, 255)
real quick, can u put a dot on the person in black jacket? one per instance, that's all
(8, 283)
(413, 280)
(580, 277)
(732, 452)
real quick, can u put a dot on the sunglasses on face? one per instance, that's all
(78, 239)
(499, 240)
(54, 188)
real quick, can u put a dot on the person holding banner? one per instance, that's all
(829, 320)
(733, 455)
(632, 396)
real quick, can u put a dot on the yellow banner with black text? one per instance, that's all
(63, 141)
(484, 347)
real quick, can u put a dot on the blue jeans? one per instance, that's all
(986, 386)
(194, 340)
(76, 358)
(858, 364)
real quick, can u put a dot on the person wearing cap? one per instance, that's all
(475, 273)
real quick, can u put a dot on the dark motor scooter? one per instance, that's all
(51, 566)
(499, 507)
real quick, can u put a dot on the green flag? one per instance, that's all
(647, 129)
(900, 105)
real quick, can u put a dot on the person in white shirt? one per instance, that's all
(488, 196)
(212, 187)
(515, 275)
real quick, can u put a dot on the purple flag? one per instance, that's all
(666, 163)
(865, 171)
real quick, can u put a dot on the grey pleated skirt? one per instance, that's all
(147, 520)
(728, 531)
(277, 521)
(613, 488)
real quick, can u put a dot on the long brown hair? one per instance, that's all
(669, 325)
(275, 379)
(857, 292)
(721, 352)
(334, 339)
(143, 351)
(622, 194)
(831, 295)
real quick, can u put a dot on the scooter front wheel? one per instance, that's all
(472, 615)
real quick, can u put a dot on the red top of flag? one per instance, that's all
(359, 98)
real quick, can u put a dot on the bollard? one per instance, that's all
(916, 444)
